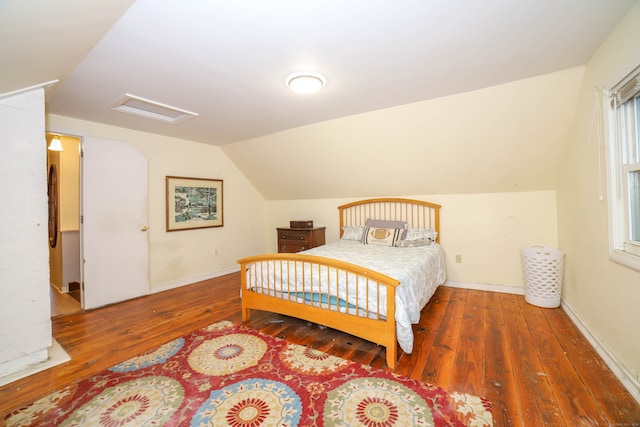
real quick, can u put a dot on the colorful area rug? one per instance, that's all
(227, 375)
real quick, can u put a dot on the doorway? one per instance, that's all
(107, 253)
(63, 191)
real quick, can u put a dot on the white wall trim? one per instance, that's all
(626, 378)
(490, 287)
(34, 358)
(28, 89)
(191, 280)
(55, 355)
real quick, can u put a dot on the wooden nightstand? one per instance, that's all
(292, 240)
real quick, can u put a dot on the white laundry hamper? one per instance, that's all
(542, 272)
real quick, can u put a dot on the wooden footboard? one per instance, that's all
(307, 287)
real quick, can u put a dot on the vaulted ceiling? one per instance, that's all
(227, 60)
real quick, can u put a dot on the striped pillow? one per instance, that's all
(382, 236)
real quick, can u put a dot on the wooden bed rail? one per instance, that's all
(289, 284)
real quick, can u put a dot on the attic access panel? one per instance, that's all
(138, 106)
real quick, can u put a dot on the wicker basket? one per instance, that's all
(542, 272)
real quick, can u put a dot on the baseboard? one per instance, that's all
(61, 289)
(56, 356)
(626, 378)
(192, 280)
(490, 287)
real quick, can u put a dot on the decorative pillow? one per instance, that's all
(414, 243)
(421, 233)
(385, 223)
(381, 236)
(353, 232)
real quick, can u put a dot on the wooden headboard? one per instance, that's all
(417, 213)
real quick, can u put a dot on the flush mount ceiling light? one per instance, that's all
(142, 107)
(306, 82)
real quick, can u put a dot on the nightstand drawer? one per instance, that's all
(291, 247)
(292, 240)
(294, 236)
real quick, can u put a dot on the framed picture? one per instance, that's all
(193, 203)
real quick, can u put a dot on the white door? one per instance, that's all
(115, 244)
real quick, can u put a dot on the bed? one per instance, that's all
(388, 260)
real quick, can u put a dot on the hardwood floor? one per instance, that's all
(531, 363)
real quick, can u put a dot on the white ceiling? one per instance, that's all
(227, 59)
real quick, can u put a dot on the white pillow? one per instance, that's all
(420, 234)
(413, 243)
(352, 232)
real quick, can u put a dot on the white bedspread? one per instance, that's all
(420, 271)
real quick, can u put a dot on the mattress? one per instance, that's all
(420, 271)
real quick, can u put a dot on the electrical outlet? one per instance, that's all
(458, 258)
(216, 252)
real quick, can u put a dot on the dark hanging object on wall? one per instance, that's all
(52, 192)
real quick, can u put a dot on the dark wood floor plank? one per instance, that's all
(467, 375)
(499, 379)
(598, 380)
(440, 360)
(540, 409)
(424, 333)
(577, 409)
(100, 338)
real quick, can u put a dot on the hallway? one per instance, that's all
(64, 303)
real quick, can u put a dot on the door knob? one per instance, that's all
(143, 228)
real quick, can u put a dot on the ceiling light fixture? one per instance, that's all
(55, 144)
(306, 82)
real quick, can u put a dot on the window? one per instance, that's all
(624, 171)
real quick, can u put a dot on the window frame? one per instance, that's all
(622, 249)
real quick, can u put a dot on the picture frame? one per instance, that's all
(194, 203)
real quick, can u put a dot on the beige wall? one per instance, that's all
(182, 257)
(505, 138)
(603, 294)
(487, 230)
(70, 184)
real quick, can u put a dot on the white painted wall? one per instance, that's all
(603, 294)
(182, 257)
(25, 324)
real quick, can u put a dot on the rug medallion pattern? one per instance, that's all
(227, 375)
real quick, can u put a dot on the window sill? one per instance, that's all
(625, 258)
